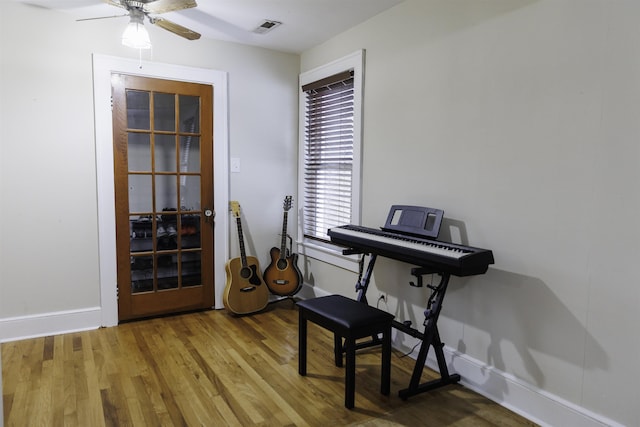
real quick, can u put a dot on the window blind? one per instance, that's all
(328, 161)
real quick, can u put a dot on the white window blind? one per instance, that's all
(328, 157)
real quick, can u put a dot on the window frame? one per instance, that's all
(327, 252)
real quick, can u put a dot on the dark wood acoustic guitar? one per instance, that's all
(245, 291)
(282, 276)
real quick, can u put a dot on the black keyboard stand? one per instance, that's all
(430, 337)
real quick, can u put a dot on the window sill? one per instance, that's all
(331, 254)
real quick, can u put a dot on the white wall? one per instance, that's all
(520, 120)
(48, 213)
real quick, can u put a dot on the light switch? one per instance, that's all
(235, 164)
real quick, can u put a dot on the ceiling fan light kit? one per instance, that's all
(136, 35)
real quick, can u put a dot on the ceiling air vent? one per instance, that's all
(266, 26)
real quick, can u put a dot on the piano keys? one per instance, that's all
(459, 260)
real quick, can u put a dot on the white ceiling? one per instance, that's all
(305, 23)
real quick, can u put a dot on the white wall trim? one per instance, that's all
(355, 61)
(531, 402)
(103, 66)
(54, 323)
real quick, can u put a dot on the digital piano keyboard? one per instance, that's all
(459, 260)
(410, 235)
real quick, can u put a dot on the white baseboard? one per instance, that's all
(62, 322)
(516, 395)
(55, 323)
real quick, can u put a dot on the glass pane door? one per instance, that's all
(168, 234)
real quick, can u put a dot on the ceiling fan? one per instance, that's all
(136, 35)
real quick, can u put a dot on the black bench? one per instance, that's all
(351, 320)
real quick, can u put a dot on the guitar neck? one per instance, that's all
(243, 255)
(283, 241)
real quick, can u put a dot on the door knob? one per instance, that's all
(209, 215)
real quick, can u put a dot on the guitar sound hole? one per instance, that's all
(282, 264)
(245, 272)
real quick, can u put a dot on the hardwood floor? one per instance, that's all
(214, 369)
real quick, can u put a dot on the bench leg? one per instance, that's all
(350, 373)
(302, 343)
(337, 349)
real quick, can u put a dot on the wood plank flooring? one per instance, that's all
(214, 369)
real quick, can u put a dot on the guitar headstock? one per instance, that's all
(287, 203)
(235, 208)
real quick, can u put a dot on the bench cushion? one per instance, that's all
(345, 312)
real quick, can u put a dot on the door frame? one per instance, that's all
(103, 66)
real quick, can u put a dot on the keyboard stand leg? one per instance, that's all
(431, 337)
(363, 282)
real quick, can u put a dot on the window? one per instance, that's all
(330, 139)
(328, 154)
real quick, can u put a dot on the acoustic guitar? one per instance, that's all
(282, 276)
(245, 291)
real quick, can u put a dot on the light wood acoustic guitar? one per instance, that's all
(282, 276)
(245, 291)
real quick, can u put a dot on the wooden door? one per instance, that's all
(163, 155)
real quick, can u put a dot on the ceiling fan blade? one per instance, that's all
(163, 6)
(101, 17)
(175, 28)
